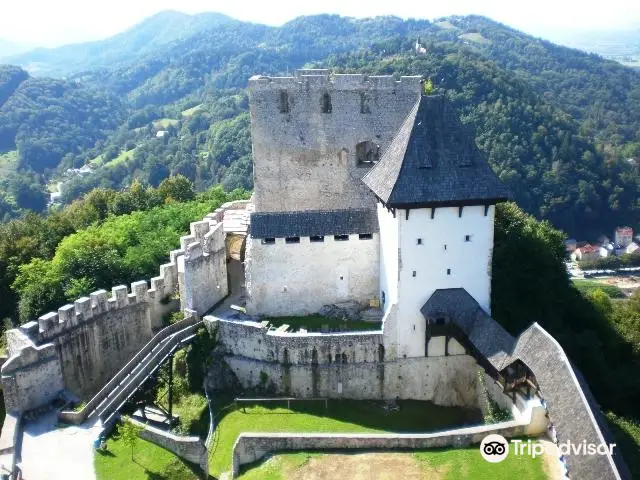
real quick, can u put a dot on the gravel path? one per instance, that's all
(50, 453)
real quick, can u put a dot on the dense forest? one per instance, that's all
(560, 127)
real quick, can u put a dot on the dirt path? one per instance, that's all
(365, 466)
(551, 465)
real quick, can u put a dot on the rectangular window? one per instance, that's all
(340, 238)
(316, 238)
(365, 236)
(414, 273)
(268, 241)
(419, 241)
(292, 240)
(448, 271)
(467, 238)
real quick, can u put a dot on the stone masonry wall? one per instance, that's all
(251, 447)
(82, 345)
(346, 365)
(299, 278)
(304, 158)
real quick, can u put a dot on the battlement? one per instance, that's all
(323, 79)
(205, 237)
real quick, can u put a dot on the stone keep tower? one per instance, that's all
(315, 135)
(314, 234)
(436, 202)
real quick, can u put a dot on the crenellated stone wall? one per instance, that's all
(82, 345)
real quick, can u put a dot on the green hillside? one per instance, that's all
(560, 127)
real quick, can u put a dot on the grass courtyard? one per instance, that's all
(339, 416)
(441, 464)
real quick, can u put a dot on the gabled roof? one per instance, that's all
(313, 222)
(570, 404)
(432, 161)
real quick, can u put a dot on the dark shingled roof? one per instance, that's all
(313, 222)
(432, 161)
(571, 406)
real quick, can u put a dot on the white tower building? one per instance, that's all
(436, 202)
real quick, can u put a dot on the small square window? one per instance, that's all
(448, 271)
(316, 238)
(268, 241)
(365, 236)
(419, 241)
(292, 240)
(414, 273)
(341, 238)
(467, 238)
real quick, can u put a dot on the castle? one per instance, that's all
(366, 192)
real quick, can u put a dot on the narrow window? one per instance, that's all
(367, 154)
(383, 297)
(268, 241)
(292, 240)
(365, 236)
(467, 238)
(325, 103)
(414, 273)
(284, 101)
(364, 103)
(448, 271)
(316, 238)
(340, 238)
(445, 246)
(419, 241)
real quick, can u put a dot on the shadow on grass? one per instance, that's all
(412, 416)
(105, 453)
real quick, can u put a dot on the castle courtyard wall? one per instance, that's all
(351, 365)
(299, 278)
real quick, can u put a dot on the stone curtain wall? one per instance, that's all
(295, 137)
(191, 449)
(205, 269)
(346, 365)
(299, 278)
(251, 447)
(82, 345)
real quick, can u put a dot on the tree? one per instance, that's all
(177, 188)
(129, 432)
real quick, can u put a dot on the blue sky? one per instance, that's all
(52, 23)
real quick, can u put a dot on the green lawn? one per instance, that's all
(586, 286)
(441, 464)
(314, 323)
(340, 416)
(164, 123)
(189, 112)
(150, 463)
(120, 158)
(474, 37)
(8, 162)
(626, 431)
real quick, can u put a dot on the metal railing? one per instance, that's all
(80, 416)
